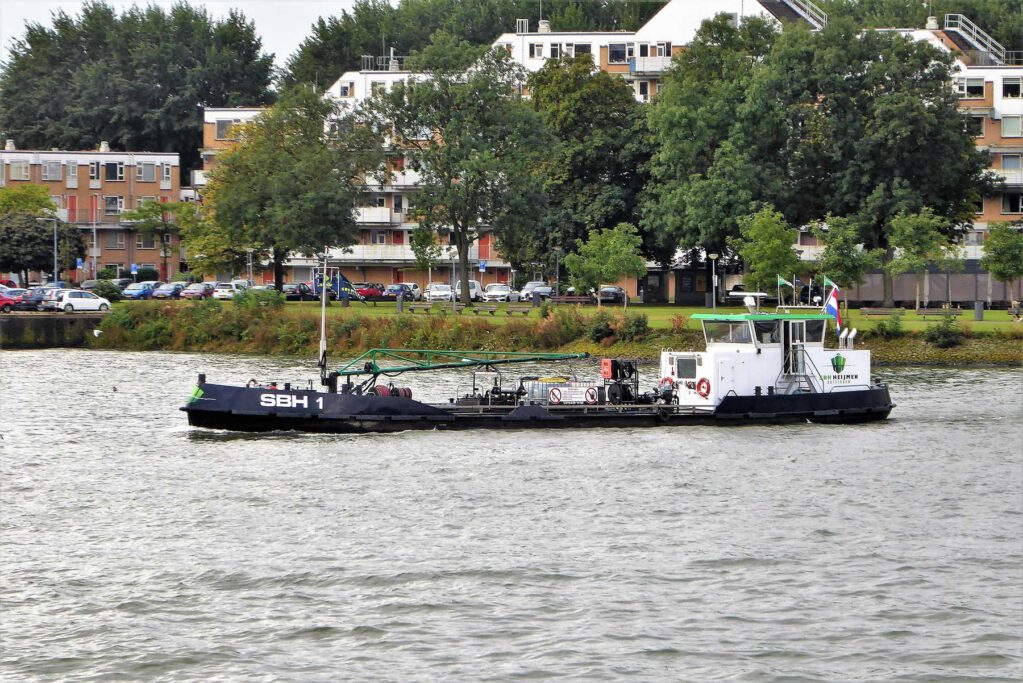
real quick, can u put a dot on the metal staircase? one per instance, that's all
(796, 10)
(982, 49)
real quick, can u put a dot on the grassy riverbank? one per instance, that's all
(639, 333)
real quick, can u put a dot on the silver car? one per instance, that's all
(500, 292)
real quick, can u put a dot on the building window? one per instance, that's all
(978, 206)
(616, 53)
(145, 241)
(377, 87)
(224, 129)
(970, 88)
(113, 206)
(974, 238)
(399, 163)
(72, 170)
(346, 89)
(113, 170)
(115, 239)
(1012, 202)
(93, 170)
(644, 90)
(142, 200)
(165, 173)
(51, 170)
(536, 50)
(1011, 87)
(663, 49)
(583, 49)
(399, 204)
(20, 170)
(1011, 127)
(379, 237)
(555, 50)
(166, 238)
(145, 172)
(975, 125)
(1012, 161)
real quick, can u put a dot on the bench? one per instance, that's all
(867, 312)
(513, 308)
(484, 308)
(570, 299)
(939, 311)
(424, 307)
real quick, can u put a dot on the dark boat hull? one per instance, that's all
(262, 410)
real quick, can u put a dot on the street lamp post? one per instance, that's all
(56, 274)
(713, 280)
(95, 240)
(557, 271)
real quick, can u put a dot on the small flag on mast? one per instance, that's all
(783, 281)
(831, 308)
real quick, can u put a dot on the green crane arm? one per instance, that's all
(411, 360)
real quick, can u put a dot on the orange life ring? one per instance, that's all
(666, 382)
(703, 387)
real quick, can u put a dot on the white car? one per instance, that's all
(439, 292)
(417, 293)
(227, 290)
(475, 290)
(71, 300)
(500, 292)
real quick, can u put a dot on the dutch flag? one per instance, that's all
(831, 308)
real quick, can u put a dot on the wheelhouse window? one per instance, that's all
(722, 332)
(815, 330)
(616, 53)
(767, 331)
(685, 368)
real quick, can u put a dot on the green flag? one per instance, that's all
(828, 283)
(783, 281)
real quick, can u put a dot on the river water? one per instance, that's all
(136, 548)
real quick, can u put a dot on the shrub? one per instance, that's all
(634, 326)
(599, 327)
(679, 323)
(545, 309)
(108, 290)
(891, 328)
(107, 273)
(945, 334)
(269, 298)
(147, 274)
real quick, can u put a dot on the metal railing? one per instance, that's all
(817, 17)
(384, 63)
(649, 65)
(985, 43)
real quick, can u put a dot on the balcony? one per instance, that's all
(377, 215)
(639, 66)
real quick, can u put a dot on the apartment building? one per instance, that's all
(92, 188)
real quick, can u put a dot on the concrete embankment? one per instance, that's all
(47, 330)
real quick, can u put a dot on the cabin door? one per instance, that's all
(793, 338)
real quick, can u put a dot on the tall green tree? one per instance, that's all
(26, 244)
(765, 246)
(139, 79)
(919, 240)
(156, 219)
(293, 182)
(1003, 255)
(595, 173)
(33, 200)
(844, 260)
(472, 139)
(606, 256)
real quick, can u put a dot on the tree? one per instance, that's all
(472, 139)
(920, 240)
(1003, 254)
(211, 247)
(605, 257)
(766, 247)
(26, 243)
(844, 260)
(32, 200)
(293, 182)
(139, 79)
(595, 173)
(425, 248)
(154, 219)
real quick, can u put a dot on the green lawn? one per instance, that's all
(660, 315)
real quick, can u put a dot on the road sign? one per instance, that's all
(78, 264)
(483, 266)
(134, 269)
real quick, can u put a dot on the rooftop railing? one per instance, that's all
(995, 53)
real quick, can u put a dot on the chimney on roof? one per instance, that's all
(932, 24)
(104, 146)
(544, 26)
(9, 146)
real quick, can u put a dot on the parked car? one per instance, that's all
(15, 292)
(198, 290)
(613, 295)
(171, 290)
(50, 298)
(7, 303)
(527, 292)
(439, 292)
(10, 284)
(811, 295)
(138, 291)
(417, 293)
(298, 291)
(475, 289)
(227, 290)
(370, 290)
(499, 291)
(122, 282)
(32, 300)
(331, 294)
(402, 290)
(88, 285)
(71, 300)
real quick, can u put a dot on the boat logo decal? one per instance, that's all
(197, 393)
(838, 363)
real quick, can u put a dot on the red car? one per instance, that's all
(198, 290)
(9, 283)
(7, 303)
(369, 290)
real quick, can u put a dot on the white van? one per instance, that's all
(475, 290)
